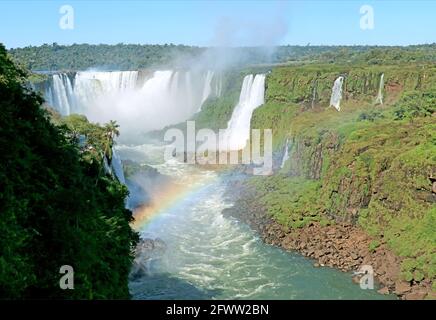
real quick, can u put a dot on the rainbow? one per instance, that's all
(170, 196)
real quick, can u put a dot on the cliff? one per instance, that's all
(370, 166)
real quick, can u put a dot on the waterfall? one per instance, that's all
(379, 99)
(74, 95)
(218, 85)
(335, 100)
(286, 154)
(62, 93)
(207, 89)
(251, 97)
(106, 166)
(117, 167)
(162, 98)
(314, 93)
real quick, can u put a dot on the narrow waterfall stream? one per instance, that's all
(336, 97)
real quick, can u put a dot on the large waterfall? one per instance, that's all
(335, 100)
(73, 93)
(163, 98)
(251, 97)
(379, 99)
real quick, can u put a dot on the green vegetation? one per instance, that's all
(55, 57)
(57, 205)
(84, 56)
(370, 165)
(215, 112)
(291, 202)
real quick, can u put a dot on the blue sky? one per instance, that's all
(212, 23)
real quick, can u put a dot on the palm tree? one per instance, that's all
(111, 131)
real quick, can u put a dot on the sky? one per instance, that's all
(219, 23)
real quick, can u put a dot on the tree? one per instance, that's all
(55, 208)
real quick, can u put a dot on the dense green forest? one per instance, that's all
(57, 205)
(55, 57)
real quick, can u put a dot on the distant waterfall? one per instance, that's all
(154, 100)
(61, 93)
(379, 99)
(207, 87)
(69, 93)
(314, 92)
(286, 154)
(335, 100)
(218, 85)
(117, 167)
(251, 97)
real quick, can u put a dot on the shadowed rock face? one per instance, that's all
(146, 250)
(143, 182)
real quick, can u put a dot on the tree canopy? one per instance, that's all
(57, 207)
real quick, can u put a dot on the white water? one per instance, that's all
(117, 167)
(213, 256)
(61, 93)
(335, 99)
(218, 85)
(286, 154)
(379, 99)
(251, 97)
(167, 97)
(209, 255)
(207, 87)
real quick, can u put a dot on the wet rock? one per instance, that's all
(356, 279)
(418, 295)
(146, 250)
(354, 255)
(402, 287)
(138, 270)
(384, 290)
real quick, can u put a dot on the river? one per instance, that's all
(212, 256)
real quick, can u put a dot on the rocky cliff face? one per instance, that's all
(370, 167)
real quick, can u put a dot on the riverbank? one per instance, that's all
(339, 245)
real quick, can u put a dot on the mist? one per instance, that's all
(170, 96)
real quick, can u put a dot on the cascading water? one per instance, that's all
(379, 99)
(210, 255)
(314, 93)
(218, 85)
(207, 87)
(74, 93)
(335, 99)
(117, 167)
(61, 94)
(164, 98)
(286, 154)
(251, 97)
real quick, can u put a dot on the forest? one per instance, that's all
(57, 205)
(56, 57)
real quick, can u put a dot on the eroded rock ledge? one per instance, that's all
(342, 246)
